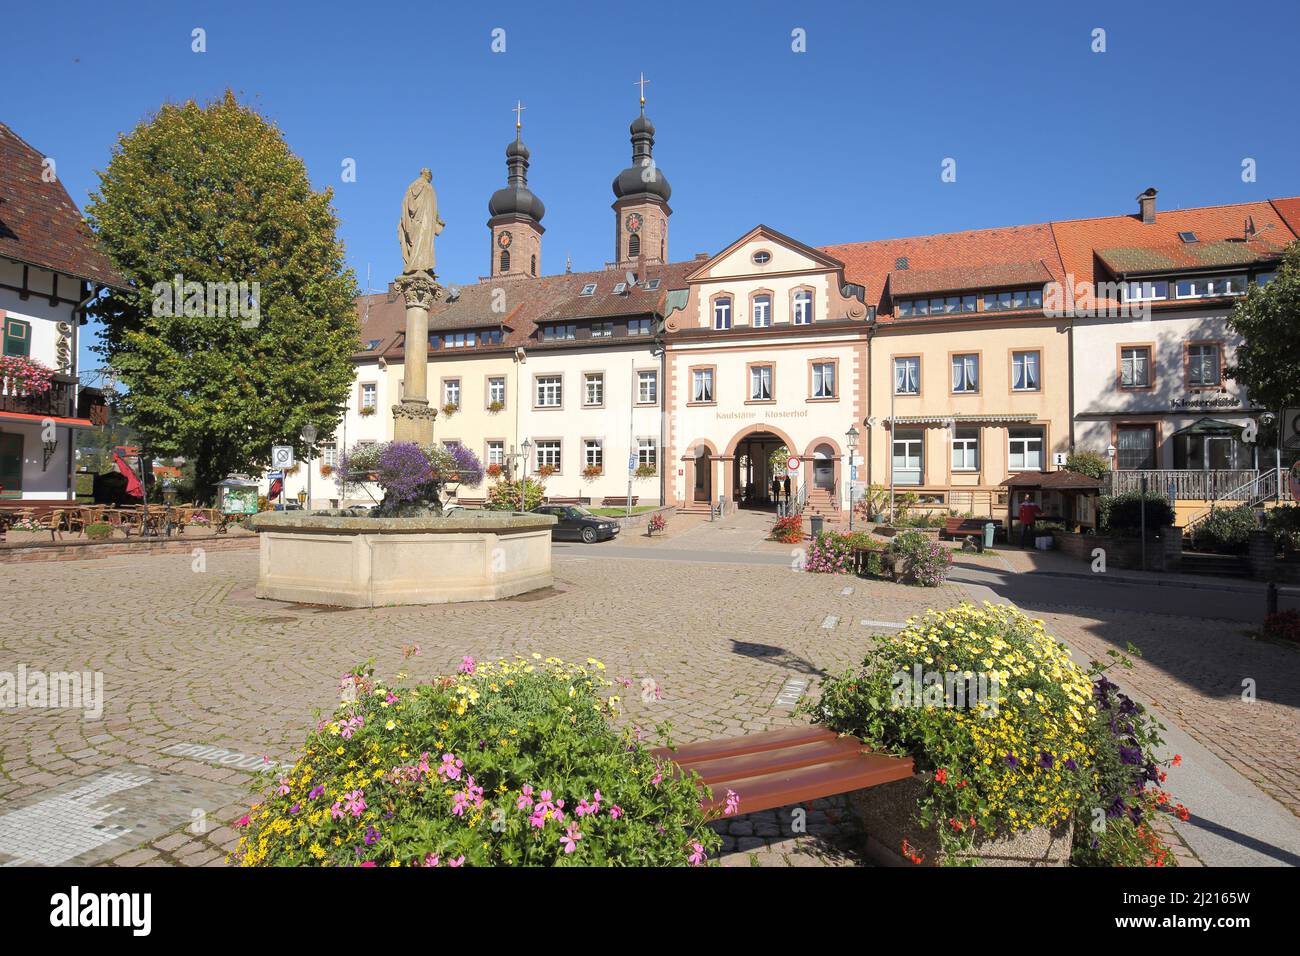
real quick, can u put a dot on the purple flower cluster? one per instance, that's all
(404, 472)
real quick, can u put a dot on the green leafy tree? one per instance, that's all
(261, 345)
(1268, 319)
(1089, 463)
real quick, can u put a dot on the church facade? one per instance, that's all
(935, 366)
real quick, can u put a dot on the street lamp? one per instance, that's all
(523, 474)
(308, 435)
(851, 442)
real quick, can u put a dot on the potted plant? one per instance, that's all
(495, 406)
(99, 531)
(545, 471)
(592, 472)
(646, 471)
(326, 470)
(365, 411)
(656, 524)
(495, 471)
(449, 409)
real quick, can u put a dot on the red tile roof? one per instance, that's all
(1125, 243)
(978, 258)
(527, 303)
(39, 223)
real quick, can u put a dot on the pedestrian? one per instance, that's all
(776, 489)
(1029, 513)
(785, 486)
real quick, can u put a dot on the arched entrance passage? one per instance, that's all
(751, 469)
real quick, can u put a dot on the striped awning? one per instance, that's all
(991, 419)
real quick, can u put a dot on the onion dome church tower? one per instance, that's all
(641, 200)
(516, 216)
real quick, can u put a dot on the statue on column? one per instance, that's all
(419, 224)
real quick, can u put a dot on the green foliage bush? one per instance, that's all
(99, 531)
(1226, 530)
(1122, 514)
(503, 495)
(1089, 463)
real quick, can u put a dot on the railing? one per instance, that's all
(1202, 485)
(1262, 487)
(59, 401)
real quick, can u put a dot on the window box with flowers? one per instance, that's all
(545, 471)
(495, 470)
(365, 411)
(592, 472)
(326, 470)
(495, 407)
(646, 471)
(450, 408)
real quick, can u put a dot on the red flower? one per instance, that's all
(941, 775)
(961, 784)
(1178, 759)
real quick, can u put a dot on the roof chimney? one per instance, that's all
(1147, 205)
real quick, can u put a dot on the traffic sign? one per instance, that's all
(631, 462)
(1291, 429)
(273, 475)
(281, 456)
(792, 465)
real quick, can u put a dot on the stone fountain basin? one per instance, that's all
(376, 562)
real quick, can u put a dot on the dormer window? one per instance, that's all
(722, 314)
(802, 311)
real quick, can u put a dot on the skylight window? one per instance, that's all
(1188, 237)
(900, 263)
(652, 285)
(620, 288)
(588, 289)
(373, 344)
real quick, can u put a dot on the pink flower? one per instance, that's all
(450, 767)
(354, 802)
(571, 838)
(336, 812)
(584, 808)
(657, 778)
(430, 860)
(525, 799)
(283, 788)
(616, 811)
(466, 665)
(459, 861)
(368, 863)
(733, 803)
(696, 856)
(242, 821)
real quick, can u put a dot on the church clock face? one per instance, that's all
(504, 239)
(633, 222)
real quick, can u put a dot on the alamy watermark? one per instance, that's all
(53, 690)
(963, 690)
(209, 300)
(1085, 299)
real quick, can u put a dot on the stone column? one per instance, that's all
(413, 417)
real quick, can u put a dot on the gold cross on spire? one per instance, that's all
(641, 83)
(517, 110)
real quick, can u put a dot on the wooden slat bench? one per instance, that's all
(794, 765)
(470, 502)
(564, 501)
(954, 528)
(619, 502)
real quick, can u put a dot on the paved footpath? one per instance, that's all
(717, 618)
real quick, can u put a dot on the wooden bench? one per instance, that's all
(620, 502)
(470, 502)
(564, 501)
(794, 765)
(954, 528)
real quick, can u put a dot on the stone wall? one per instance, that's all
(1164, 549)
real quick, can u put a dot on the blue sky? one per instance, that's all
(841, 143)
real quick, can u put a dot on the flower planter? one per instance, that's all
(887, 814)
